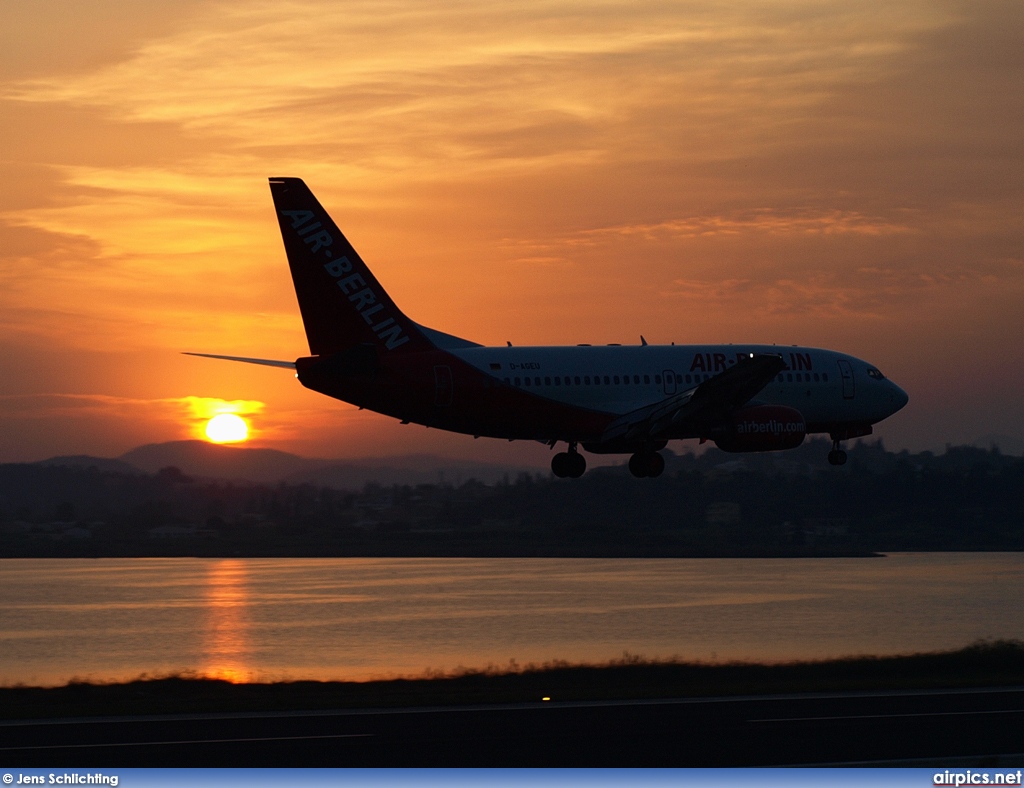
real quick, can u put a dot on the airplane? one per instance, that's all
(609, 399)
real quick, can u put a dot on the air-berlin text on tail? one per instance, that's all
(353, 285)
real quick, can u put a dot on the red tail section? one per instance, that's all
(341, 301)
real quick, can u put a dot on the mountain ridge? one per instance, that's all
(270, 466)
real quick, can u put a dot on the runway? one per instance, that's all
(969, 727)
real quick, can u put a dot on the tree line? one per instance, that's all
(706, 504)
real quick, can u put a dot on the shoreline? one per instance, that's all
(983, 664)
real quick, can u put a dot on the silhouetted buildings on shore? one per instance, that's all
(713, 504)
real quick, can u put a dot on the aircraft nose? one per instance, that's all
(898, 397)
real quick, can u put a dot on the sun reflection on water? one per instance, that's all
(226, 634)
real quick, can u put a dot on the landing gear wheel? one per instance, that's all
(568, 464)
(577, 465)
(646, 464)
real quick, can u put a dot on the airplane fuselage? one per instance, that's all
(574, 393)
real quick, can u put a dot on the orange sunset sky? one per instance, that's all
(832, 174)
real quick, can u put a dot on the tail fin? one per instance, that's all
(341, 302)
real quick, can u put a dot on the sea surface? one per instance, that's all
(358, 618)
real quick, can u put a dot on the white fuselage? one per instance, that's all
(825, 386)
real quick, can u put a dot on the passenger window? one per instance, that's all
(536, 381)
(647, 379)
(657, 379)
(558, 380)
(815, 377)
(789, 377)
(607, 380)
(547, 381)
(679, 378)
(578, 380)
(615, 380)
(586, 380)
(824, 377)
(526, 381)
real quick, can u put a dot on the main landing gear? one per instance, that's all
(646, 464)
(837, 456)
(568, 464)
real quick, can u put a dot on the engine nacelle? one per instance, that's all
(762, 428)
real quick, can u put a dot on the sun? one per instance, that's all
(227, 428)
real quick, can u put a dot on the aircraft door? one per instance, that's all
(443, 386)
(846, 373)
(669, 378)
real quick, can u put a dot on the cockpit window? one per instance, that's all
(874, 373)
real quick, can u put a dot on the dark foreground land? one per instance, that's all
(963, 707)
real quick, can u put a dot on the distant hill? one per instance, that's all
(201, 459)
(198, 458)
(104, 464)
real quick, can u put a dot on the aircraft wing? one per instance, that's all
(710, 401)
(267, 362)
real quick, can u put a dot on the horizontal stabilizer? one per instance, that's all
(266, 362)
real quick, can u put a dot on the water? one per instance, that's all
(356, 618)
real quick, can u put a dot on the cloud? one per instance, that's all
(764, 220)
(189, 411)
(874, 293)
(411, 81)
(208, 407)
(53, 404)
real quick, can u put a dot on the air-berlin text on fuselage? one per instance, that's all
(353, 285)
(718, 362)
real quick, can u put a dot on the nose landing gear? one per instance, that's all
(837, 456)
(568, 464)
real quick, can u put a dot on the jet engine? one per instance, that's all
(761, 428)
